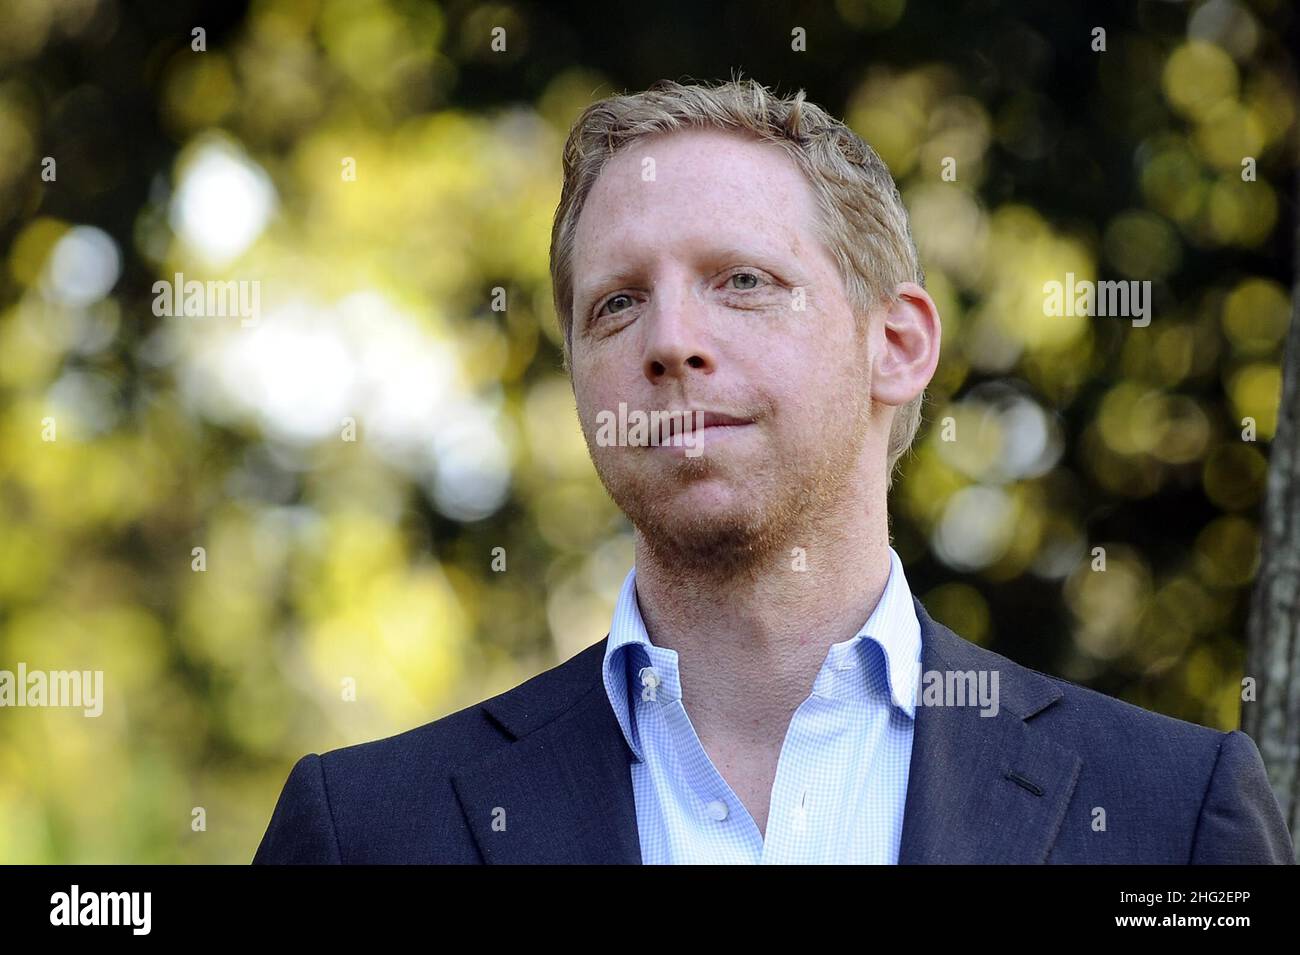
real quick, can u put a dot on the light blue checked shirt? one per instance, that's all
(841, 780)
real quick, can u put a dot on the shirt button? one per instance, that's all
(649, 683)
(717, 810)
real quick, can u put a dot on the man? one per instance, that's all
(740, 267)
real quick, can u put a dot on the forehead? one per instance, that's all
(687, 185)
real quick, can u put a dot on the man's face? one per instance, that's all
(707, 289)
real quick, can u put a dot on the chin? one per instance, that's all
(713, 546)
(711, 499)
(708, 524)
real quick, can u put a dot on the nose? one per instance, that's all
(676, 341)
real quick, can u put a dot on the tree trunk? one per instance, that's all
(1273, 648)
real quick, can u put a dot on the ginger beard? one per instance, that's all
(747, 501)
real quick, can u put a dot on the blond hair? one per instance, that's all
(863, 222)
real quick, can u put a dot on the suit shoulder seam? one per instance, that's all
(1200, 812)
(580, 697)
(329, 809)
(598, 684)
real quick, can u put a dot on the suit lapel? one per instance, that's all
(562, 792)
(964, 803)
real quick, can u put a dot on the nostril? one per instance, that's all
(695, 361)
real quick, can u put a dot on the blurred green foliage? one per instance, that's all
(379, 171)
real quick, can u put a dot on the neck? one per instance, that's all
(750, 645)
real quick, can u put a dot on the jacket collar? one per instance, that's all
(981, 789)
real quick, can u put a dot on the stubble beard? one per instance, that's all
(785, 511)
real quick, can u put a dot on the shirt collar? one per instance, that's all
(893, 626)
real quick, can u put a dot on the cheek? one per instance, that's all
(606, 376)
(816, 390)
(593, 393)
(586, 375)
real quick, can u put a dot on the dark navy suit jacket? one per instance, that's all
(548, 762)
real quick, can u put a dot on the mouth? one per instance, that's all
(694, 421)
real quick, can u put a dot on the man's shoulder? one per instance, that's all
(1098, 711)
(1183, 791)
(393, 799)
(1102, 728)
(469, 734)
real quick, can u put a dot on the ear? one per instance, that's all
(908, 351)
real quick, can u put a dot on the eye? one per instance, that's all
(612, 300)
(751, 280)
